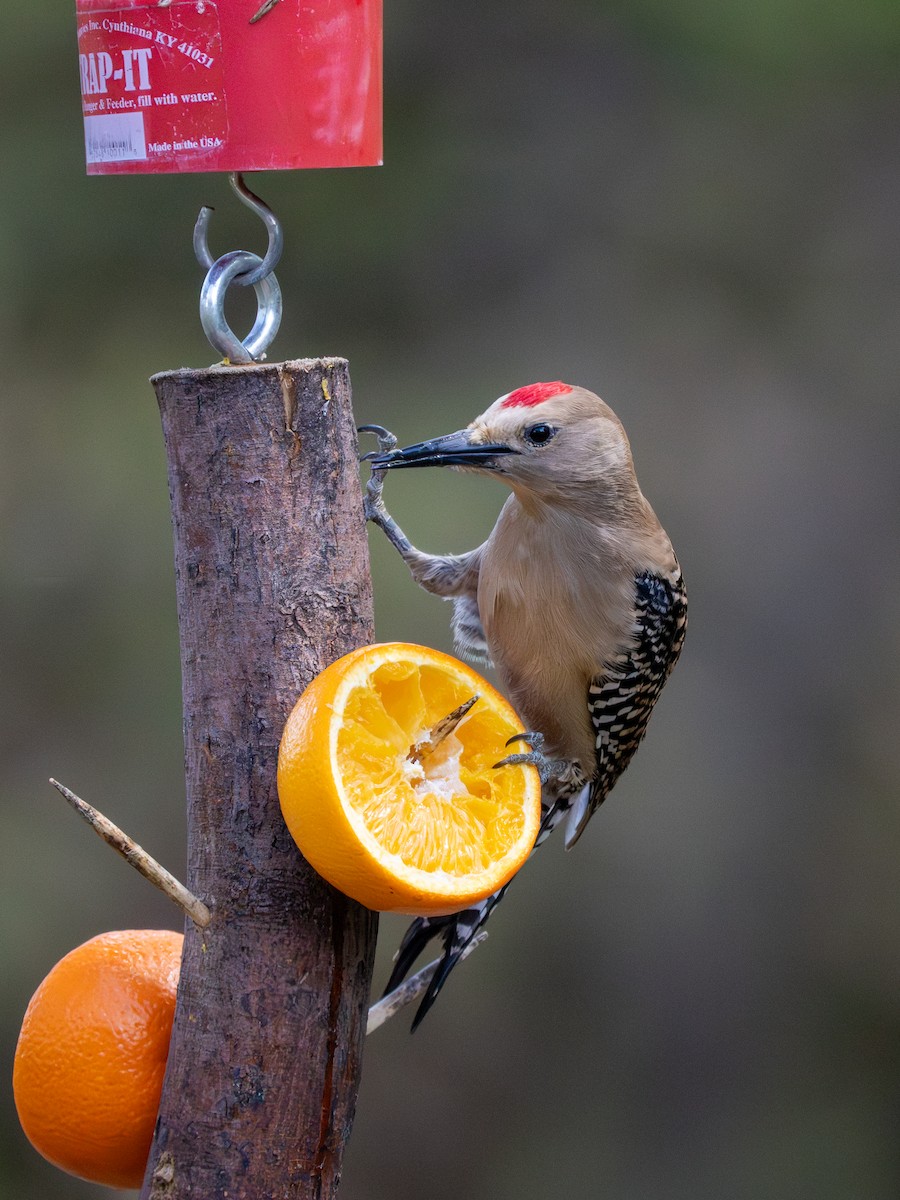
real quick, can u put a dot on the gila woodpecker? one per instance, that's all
(576, 597)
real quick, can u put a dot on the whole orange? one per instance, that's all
(92, 1053)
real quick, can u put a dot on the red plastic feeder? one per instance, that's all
(197, 86)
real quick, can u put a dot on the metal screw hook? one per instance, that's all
(265, 214)
(246, 269)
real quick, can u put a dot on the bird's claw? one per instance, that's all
(535, 757)
(386, 439)
(534, 740)
(373, 505)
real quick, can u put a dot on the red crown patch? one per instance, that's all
(535, 393)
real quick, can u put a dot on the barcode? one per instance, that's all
(114, 137)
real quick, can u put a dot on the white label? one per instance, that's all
(114, 137)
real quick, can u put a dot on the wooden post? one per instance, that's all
(272, 579)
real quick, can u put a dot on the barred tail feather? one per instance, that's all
(458, 931)
(416, 938)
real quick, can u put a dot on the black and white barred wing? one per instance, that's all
(621, 700)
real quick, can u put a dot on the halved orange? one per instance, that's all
(386, 806)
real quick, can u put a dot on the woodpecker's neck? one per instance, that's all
(614, 517)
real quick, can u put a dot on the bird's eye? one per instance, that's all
(539, 435)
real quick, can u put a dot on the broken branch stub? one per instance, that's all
(137, 857)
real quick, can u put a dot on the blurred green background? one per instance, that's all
(692, 209)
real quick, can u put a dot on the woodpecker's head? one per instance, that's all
(549, 440)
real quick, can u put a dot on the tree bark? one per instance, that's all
(272, 578)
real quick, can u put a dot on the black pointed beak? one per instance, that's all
(451, 450)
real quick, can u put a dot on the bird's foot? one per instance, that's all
(373, 504)
(548, 768)
(386, 439)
